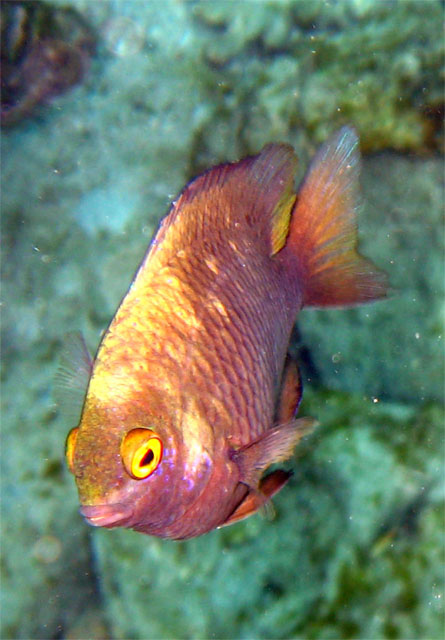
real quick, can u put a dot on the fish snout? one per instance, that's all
(106, 515)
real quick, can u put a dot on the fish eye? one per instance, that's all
(141, 452)
(70, 446)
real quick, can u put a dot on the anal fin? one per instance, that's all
(257, 498)
(290, 393)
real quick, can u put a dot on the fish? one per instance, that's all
(193, 394)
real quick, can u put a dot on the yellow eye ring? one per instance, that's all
(70, 446)
(141, 452)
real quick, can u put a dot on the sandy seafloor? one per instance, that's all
(356, 549)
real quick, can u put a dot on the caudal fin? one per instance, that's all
(323, 229)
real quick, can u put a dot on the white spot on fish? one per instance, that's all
(212, 266)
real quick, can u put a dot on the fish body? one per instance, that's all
(192, 395)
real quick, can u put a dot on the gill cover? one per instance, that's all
(141, 452)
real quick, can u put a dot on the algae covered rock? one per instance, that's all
(312, 64)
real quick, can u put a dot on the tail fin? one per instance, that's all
(323, 229)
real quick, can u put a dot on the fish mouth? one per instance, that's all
(106, 515)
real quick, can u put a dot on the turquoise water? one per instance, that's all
(356, 547)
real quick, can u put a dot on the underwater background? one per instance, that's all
(356, 548)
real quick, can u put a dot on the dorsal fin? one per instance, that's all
(258, 190)
(273, 170)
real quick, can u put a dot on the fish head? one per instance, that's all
(119, 454)
(145, 467)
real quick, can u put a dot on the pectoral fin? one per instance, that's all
(256, 498)
(73, 374)
(274, 445)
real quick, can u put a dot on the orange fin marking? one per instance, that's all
(323, 229)
(258, 190)
(274, 445)
(274, 171)
(256, 499)
(291, 392)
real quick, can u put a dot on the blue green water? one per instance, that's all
(356, 548)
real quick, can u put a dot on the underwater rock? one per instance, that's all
(44, 52)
